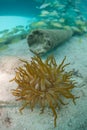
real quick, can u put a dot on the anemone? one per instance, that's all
(43, 83)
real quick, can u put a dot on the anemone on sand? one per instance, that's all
(43, 83)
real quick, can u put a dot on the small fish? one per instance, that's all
(80, 22)
(44, 13)
(56, 24)
(38, 24)
(53, 13)
(43, 6)
(61, 20)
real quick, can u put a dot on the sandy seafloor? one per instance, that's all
(70, 117)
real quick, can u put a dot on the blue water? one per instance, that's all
(18, 7)
(28, 7)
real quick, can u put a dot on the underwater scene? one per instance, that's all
(43, 64)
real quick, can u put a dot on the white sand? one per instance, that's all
(70, 117)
